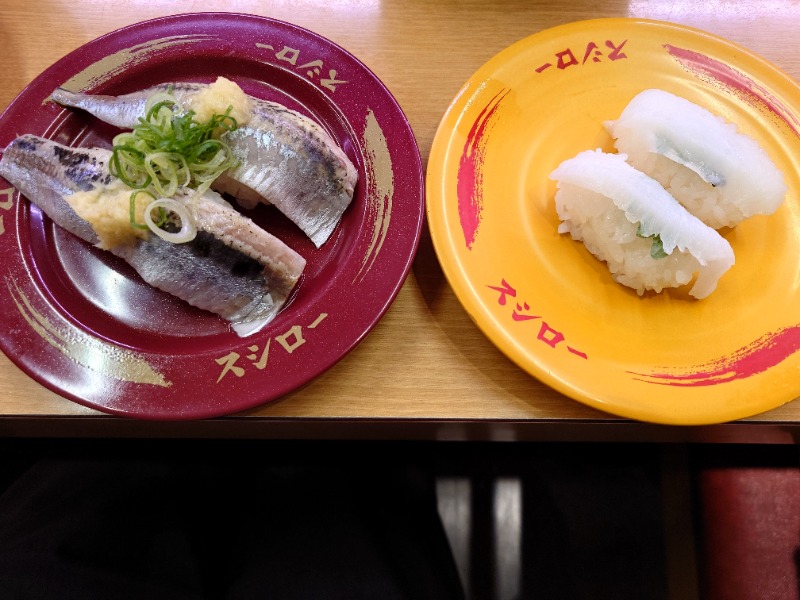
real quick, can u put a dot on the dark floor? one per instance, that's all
(545, 520)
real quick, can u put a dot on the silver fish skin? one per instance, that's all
(232, 268)
(285, 158)
(48, 173)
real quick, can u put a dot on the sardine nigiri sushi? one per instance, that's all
(284, 158)
(231, 267)
(625, 218)
(719, 174)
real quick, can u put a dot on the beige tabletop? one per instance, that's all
(425, 371)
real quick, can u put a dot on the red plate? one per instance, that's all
(83, 324)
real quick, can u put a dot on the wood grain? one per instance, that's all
(425, 360)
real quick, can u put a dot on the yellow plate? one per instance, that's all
(543, 299)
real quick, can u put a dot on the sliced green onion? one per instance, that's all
(168, 149)
(126, 163)
(165, 206)
(132, 209)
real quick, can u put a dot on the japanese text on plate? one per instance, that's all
(521, 312)
(6, 202)
(312, 69)
(593, 52)
(258, 356)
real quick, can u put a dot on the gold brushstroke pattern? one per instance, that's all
(109, 66)
(89, 352)
(380, 189)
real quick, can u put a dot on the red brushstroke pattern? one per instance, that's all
(737, 81)
(470, 171)
(762, 354)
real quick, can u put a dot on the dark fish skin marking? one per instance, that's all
(207, 245)
(317, 157)
(28, 144)
(82, 168)
(220, 260)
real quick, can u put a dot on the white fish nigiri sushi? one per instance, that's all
(720, 175)
(625, 218)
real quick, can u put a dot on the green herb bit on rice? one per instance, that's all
(657, 247)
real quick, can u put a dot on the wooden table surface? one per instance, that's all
(425, 371)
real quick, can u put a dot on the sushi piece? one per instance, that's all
(284, 158)
(209, 256)
(720, 175)
(625, 218)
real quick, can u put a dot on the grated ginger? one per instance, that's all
(217, 97)
(107, 210)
